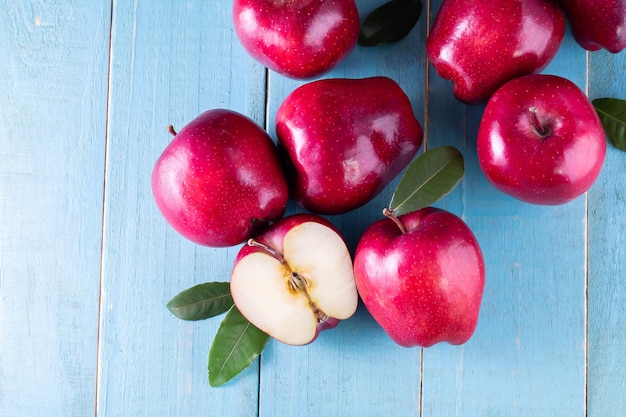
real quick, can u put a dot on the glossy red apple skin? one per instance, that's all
(424, 286)
(344, 140)
(549, 168)
(220, 181)
(299, 39)
(479, 45)
(597, 24)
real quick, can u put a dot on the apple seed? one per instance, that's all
(299, 283)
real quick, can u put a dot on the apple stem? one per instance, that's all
(170, 129)
(273, 252)
(541, 130)
(391, 215)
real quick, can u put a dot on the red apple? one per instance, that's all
(421, 276)
(297, 38)
(219, 181)
(295, 279)
(540, 140)
(345, 140)
(479, 45)
(597, 24)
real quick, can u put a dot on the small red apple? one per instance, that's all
(219, 181)
(344, 140)
(421, 276)
(295, 279)
(597, 24)
(297, 38)
(540, 140)
(479, 45)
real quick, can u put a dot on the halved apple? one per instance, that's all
(295, 279)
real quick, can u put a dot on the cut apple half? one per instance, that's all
(295, 291)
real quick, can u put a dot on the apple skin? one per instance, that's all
(299, 39)
(540, 140)
(343, 140)
(597, 24)
(219, 181)
(340, 299)
(423, 286)
(479, 45)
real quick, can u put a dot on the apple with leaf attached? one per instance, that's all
(420, 271)
(299, 39)
(296, 278)
(343, 140)
(289, 282)
(220, 181)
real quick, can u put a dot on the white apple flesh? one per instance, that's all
(295, 279)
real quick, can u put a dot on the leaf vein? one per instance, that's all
(424, 183)
(230, 353)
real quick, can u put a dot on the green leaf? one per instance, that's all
(390, 22)
(202, 301)
(612, 112)
(428, 178)
(236, 345)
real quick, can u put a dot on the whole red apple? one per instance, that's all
(421, 276)
(479, 45)
(345, 140)
(219, 181)
(295, 279)
(597, 24)
(297, 38)
(540, 140)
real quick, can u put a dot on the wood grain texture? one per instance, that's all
(352, 370)
(527, 356)
(53, 76)
(607, 269)
(87, 262)
(170, 61)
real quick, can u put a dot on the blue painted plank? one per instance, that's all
(52, 135)
(171, 61)
(607, 269)
(527, 356)
(354, 369)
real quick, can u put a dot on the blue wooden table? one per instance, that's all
(87, 263)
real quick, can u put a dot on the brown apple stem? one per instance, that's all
(299, 283)
(271, 251)
(391, 215)
(170, 129)
(541, 130)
